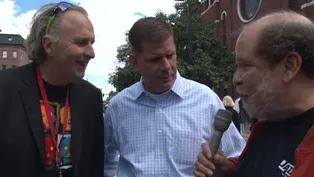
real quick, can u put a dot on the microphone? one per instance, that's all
(222, 121)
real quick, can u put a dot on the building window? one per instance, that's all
(224, 28)
(14, 54)
(248, 9)
(13, 66)
(293, 4)
(4, 54)
(208, 3)
(4, 67)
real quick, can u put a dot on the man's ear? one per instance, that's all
(134, 60)
(292, 64)
(47, 44)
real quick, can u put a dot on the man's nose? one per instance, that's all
(237, 78)
(89, 52)
(166, 64)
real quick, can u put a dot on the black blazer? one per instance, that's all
(22, 146)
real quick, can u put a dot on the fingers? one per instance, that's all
(198, 174)
(220, 158)
(203, 166)
(205, 162)
(206, 150)
(201, 170)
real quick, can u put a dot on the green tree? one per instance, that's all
(110, 95)
(123, 76)
(212, 64)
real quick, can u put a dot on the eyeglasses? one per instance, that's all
(61, 6)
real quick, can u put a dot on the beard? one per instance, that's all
(263, 103)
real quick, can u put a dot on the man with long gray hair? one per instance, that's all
(51, 119)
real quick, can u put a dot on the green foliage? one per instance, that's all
(110, 95)
(212, 64)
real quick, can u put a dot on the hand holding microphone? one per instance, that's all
(215, 165)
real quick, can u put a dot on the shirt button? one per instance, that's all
(159, 131)
(160, 153)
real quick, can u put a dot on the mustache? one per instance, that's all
(167, 74)
(265, 95)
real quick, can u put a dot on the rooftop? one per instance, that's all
(11, 39)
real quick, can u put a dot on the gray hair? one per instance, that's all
(33, 42)
(279, 38)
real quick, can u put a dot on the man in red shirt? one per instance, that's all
(275, 80)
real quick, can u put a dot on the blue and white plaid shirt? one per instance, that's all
(161, 135)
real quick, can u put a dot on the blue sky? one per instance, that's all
(111, 19)
(33, 4)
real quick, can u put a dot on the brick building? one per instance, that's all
(230, 15)
(12, 51)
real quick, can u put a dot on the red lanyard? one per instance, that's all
(49, 117)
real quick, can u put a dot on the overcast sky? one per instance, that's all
(111, 19)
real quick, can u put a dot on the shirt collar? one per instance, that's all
(177, 87)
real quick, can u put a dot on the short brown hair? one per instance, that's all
(148, 29)
(277, 39)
